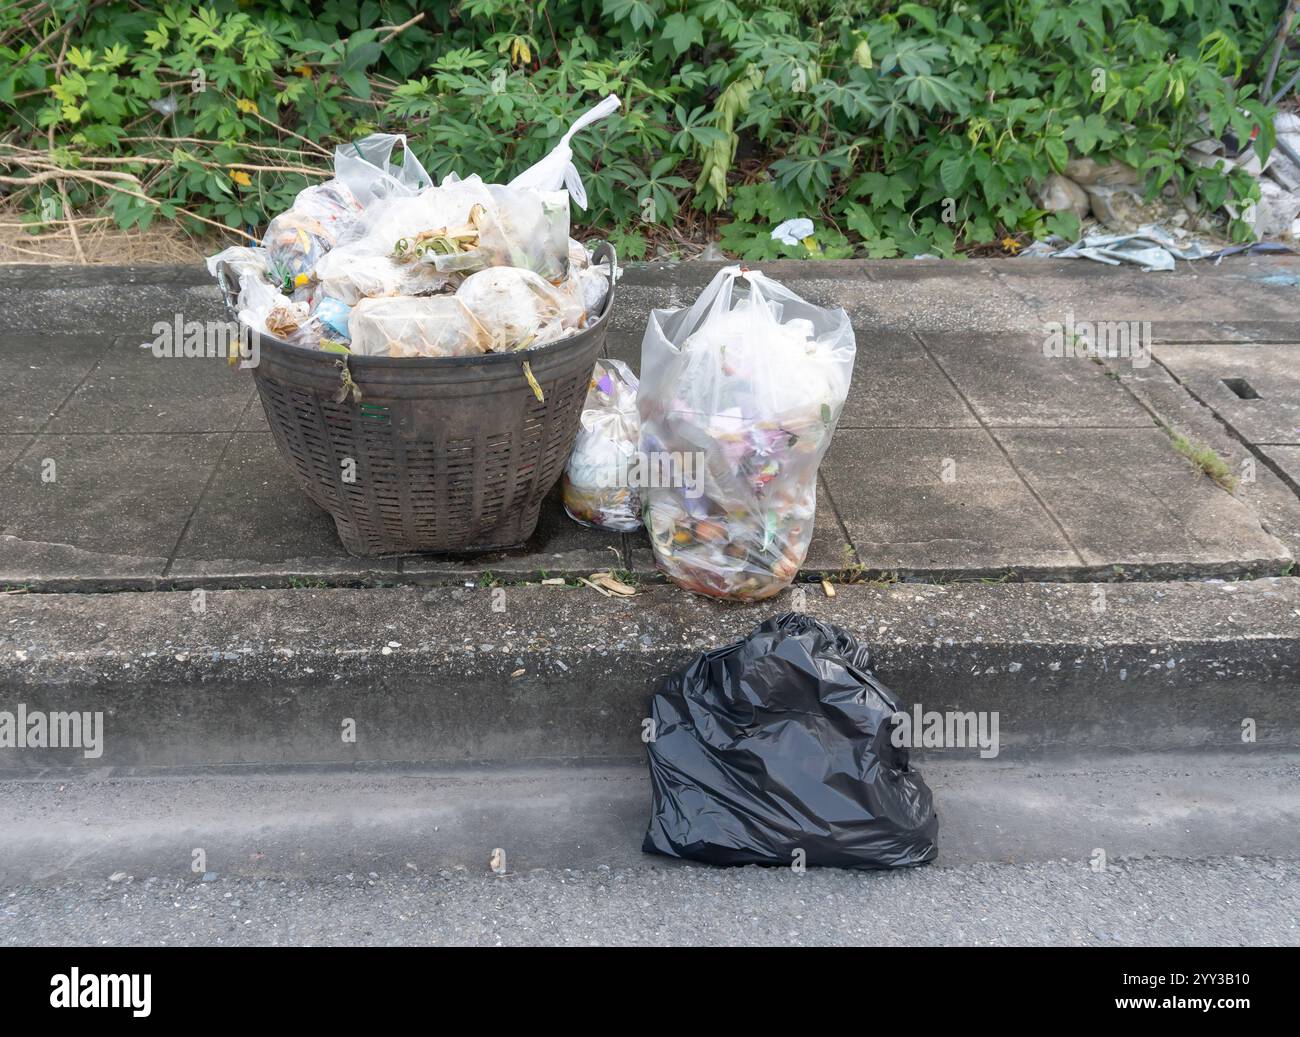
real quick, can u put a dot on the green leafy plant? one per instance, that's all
(898, 128)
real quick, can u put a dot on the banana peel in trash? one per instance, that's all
(442, 241)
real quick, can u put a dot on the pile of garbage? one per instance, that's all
(380, 262)
(742, 392)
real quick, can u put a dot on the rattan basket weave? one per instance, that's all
(451, 455)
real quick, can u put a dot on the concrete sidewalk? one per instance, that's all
(963, 452)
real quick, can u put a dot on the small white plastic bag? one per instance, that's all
(586, 283)
(556, 171)
(742, 391)
(268, 311)
(519, 308)
(366, 166)
(599, 478)
(241, 259)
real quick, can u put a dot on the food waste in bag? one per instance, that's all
(750, 382)
(597, 488)
(296, 240)
(269, 312)
(779, 749)
(439, 325)
(381, 231)
(519, 308)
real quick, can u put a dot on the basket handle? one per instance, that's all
(604, 250)
(229, 285)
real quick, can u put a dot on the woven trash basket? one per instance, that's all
(452, 454)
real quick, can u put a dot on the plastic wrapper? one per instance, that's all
(270, 312)
(597, 490)
(752, 384)
(579, 255)
(333, 315)
(518, 308)
(779, 748)
(367, 168)
(439, 325)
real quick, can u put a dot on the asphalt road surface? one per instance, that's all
(1222, 902)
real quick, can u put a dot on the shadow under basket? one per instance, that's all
(450, 455)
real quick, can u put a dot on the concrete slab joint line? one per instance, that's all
(225, 449)
(1257, 436)
(1020, 475)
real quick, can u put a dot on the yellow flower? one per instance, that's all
(520, 54)
(303, 71)
(245, 105)
(1011, 245)
(241, 178)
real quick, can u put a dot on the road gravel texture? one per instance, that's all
(1213, 902)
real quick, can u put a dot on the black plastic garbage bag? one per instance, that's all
(782, 742)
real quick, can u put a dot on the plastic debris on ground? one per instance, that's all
(1150, 247)
(791, 232)
(1155, 233)
(381, 262)
(779, 749)
(609, 585)
(739, 397)
(597, 487)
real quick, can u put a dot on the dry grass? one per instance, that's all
(101, 242)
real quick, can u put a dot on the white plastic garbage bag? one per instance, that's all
(556, 170)
(352, 273)
(739, 396)
(366, 166)
(599, 478)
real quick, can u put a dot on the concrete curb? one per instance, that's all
(546, 672)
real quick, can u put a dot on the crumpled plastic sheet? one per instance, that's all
(1151, 247)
